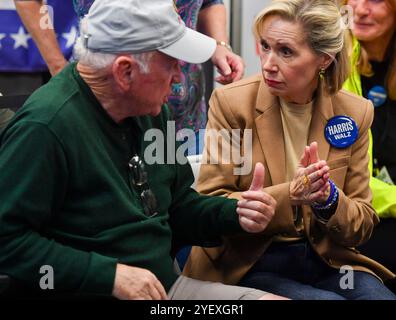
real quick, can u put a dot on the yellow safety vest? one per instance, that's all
(384, 195)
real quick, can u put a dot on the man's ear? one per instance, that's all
(123, 69)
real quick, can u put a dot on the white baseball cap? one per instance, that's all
(137, 26)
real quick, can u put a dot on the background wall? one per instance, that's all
(7, 4)
(243, 13)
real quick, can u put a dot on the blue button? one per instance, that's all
(377, 95)
(341, 131)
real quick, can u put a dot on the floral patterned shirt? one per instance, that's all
(187, 101)
(82, 6)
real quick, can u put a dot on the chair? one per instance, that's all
(195, 162)
(13, 102)
(8, 105)
(184, 252)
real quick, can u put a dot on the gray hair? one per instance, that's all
(100, 60)
(322, 23)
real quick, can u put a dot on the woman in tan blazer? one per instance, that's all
(312, 138)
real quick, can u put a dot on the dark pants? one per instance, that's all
(380, 246)
(295, 271)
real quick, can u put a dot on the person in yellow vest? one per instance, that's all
(312, 138)
(373, 57)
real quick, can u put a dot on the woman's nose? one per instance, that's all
(361, 8)
(269, 64)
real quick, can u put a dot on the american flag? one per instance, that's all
(18, 53)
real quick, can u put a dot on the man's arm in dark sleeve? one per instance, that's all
(198, 218)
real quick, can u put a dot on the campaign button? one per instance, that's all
(341, 131)
(377, 95)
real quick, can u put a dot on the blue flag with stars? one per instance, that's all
(18, 53)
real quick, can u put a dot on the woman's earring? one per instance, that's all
(322, 73)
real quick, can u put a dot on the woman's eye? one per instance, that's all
(264, 45)
(286, 51)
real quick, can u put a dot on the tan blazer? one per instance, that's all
(248, 104)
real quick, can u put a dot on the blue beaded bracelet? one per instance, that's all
(331, 200)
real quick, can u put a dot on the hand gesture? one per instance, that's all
(311, 181)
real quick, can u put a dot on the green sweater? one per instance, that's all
(66, 197)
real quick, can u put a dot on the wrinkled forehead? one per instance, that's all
(281, 30)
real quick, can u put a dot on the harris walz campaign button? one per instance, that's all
(341, 131)
(377, 95)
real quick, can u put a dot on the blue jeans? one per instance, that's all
(295, 271)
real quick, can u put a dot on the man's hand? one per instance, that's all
(258, 207)
(311, 180)
(132, 283)
(228, 64)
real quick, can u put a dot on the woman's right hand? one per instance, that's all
(311, 180)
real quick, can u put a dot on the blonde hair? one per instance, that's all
(324, 31)
(364, 67)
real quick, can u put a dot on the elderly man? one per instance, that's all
(76, 197)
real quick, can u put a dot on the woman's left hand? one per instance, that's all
(311, 181)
